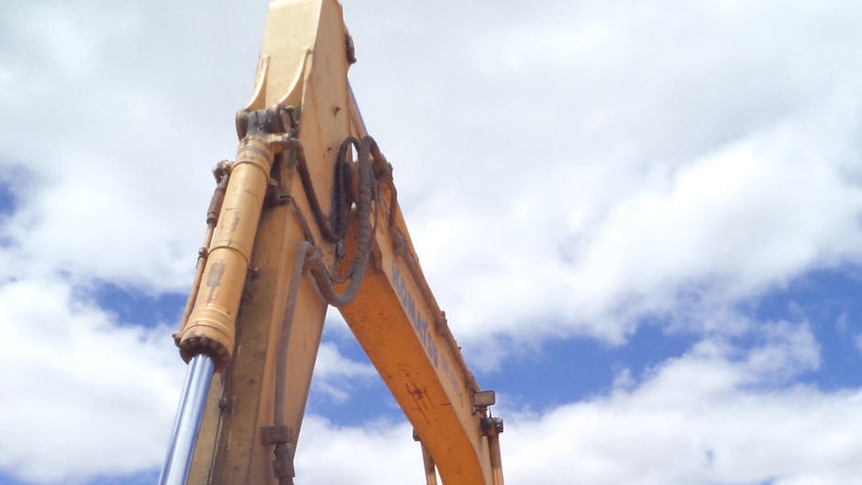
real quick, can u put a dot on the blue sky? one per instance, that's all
(643, 220)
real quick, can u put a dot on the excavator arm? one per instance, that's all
(304, 218)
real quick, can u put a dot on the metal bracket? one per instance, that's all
(492, 425)
(350, 48)
(282, 437)
(483, 399)
(276, 434)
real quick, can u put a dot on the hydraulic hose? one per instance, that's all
(222, 174)
(360, 263)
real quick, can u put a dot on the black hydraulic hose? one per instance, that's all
(360, 262)
(308, 253)
(341, 184)
(332, 228)
(383, 171)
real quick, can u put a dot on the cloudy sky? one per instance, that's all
(643, 219)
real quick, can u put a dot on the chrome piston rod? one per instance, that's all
(188, 421)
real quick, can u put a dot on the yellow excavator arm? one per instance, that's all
(307, 216)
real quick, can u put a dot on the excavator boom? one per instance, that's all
(307, 217)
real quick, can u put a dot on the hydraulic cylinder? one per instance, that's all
(188, 420)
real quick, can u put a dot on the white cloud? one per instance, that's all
(86, 395)
(118, 133)
(336, 375)
(564, 170)
(83, 394)
(629, 159)
(640, 162)
(711, 416)
(380, 453)
(332, 364)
